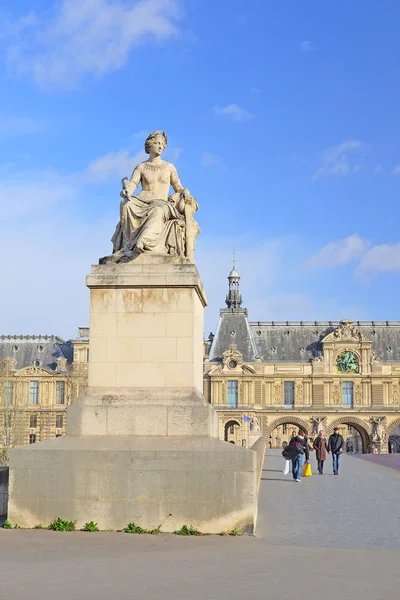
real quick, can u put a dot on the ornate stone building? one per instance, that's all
(310, 375)
(39, 377)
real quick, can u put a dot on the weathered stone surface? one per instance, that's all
(141, 445)
(203, 482)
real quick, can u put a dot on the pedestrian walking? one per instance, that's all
(335, 447)
(298, 448)
(321, 448)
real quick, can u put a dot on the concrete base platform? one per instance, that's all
(113, 480)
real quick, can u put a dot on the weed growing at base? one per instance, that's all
(62, 525)
(91, 526)
(133, 528)
(185, 530)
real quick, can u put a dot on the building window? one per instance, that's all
(233, 393)
(232, 429)
(32, 438)
(284, 429)
(8, 392)
(33, 392)
(349, 429)
(60, 392)
(347, 392)
(33, 421)
(289, 393)
(59, 421)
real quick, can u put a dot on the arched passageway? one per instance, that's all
(278, 433)
(232, 432)
(361, 443)
(394, 439)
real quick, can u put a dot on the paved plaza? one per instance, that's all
(325, 538)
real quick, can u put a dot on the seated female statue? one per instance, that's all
(153, 221)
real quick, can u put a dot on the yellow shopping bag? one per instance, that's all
(307, 471)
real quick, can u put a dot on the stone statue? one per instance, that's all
(152, 220)
(255, 424)
(317, 424)
(378, 430)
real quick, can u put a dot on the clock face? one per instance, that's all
(347, 362)
(232, 364)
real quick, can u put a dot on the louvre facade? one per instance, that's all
(270, 377)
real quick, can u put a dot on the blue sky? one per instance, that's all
(282, 120)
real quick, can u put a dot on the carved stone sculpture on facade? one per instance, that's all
(317, 424)
(255, 424)
(347, 330)
(378, 429)
(152, 220)
(232, 358)
(348, 362)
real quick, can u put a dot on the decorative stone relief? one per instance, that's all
(277, 394)
(299, 394)
(395, 394)
(347, 331)
(232, 358)
(336, 394)
(358, 394)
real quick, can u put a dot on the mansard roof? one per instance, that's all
(31, 350)
(233, 329)
(300, 341)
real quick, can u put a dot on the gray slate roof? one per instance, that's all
(294, 341)
(233, 328)
(302, 340)
(27, 349)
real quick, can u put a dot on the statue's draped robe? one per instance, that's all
(156, 223)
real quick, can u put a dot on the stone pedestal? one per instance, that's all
(141, 445)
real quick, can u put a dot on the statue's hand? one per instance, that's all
(186, 194)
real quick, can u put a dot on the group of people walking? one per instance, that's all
(301, 444)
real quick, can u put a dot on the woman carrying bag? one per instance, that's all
(295, 450)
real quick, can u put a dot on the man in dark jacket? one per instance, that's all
(296, 449)
(335, 447)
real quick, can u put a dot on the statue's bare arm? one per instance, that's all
(130, 185)
(175, 181)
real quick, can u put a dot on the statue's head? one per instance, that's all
(156, 142)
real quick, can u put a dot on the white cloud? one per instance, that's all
(212, 161)
(307, 46)
(232, 112)
(340, 160)
(87, 37)
(379, 259)
(396, 170)
(118, 164)
(16, 126)
(340, 252)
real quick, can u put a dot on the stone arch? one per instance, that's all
(228, 425)
(360, 425)
(287, 420)
(390, 428)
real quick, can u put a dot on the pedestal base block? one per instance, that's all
(114, 480)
